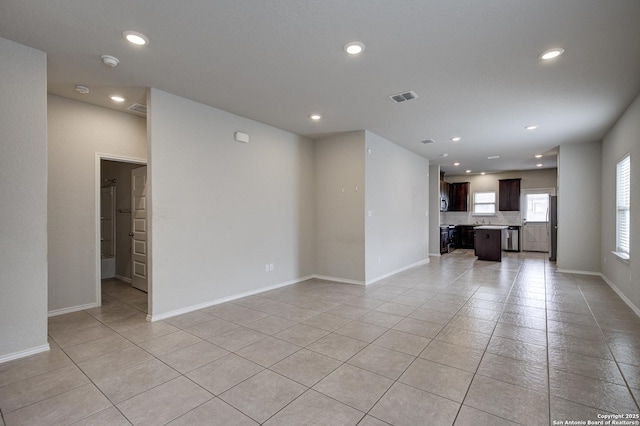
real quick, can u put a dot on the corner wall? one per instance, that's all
(23, 210)
(579, 214)
(434, 210)
(221, 210)
(77, 132)
(396, 208)
(340, 193)
(624, 138)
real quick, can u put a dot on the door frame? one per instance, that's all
(96, 185)
(523, 206)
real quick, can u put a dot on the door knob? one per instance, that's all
(131, 234)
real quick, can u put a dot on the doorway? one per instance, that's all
(535, 220)
(116, 221)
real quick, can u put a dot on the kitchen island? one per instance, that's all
(488, 242)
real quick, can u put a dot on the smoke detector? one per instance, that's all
(82, 89)
(110, 61)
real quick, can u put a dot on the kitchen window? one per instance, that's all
(484, 203)
(623, 191)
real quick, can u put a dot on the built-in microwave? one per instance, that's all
(443, 204)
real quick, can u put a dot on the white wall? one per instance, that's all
(77, 131)
(220, 209)
(397, 196)
(340, 193)
(530, 179)
(434, 210)
(623, 139)
(23, 210)
(579, 214)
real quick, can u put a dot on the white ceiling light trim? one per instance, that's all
(551, 53)
(456, 139)
(354, 47)
(315, 117)
(531, 127)
(136, 38)
(117, 98)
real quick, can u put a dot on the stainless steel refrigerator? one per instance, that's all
(552, 227)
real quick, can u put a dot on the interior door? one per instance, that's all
(139, 248)
(535, 224)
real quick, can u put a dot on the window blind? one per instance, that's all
(623, 198)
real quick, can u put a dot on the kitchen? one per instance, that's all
(504, 200)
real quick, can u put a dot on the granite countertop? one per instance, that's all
(491, 227)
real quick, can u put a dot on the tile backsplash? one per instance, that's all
(467, 218)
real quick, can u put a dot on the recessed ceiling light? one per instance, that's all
(538, 155)
(539, 165)
(551, 54)
(354, 47)
(136, 38)
(456, 164)
(315, 117)
(82, 89)
(467, 171)
(483, 173)
(456, 139)
(493, 157)
(531, 127)
(117, 98)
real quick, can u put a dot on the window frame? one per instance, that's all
(623, 207)
(494, 203)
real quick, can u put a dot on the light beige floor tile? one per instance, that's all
(402, 342)
(534, 354)
(271, 324)
(169, 343)
(371, 421)
(473, 324)
(122, 385)
(113, 362)
(95, 348)
(521, 334)
(40, 387)
(21, 369)
(128, 323)
(471, 417)
(440, 379)
(224, 373)
(65, 338)
(267, 352)
(452, 355)
(396, 308)
(301, 335)
(306, 367)
(235, 313)
(591, 392)
(508, 401)
(563, 410)
(64, 408)
(108, 417)
(361, 331)
(214, 327)
(419, 328)
(263, 395)
(327, 321)
(189, 319)
(194, 356)
(515, 372)
(354, 386)
(336, 346)
(631, 374)
(404, 405)
(461, 337)
(213, 412)
(164, 403)
(364, 302)
(296, 314)
(382, 361)
(237, 338)
(69, 322)
(381, 319)
(347, 311)
(148, 331)
(597, 368)
(314, 408)
(572, 344)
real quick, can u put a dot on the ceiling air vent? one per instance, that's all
(401, 97)
(426, 141)
(139, 108)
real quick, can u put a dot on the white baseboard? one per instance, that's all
(125, 279)
(435, 254)
(22, 354)
(70, 309)
(210, 303)
(397, 271)
(338, 280)
(572, 271)
(619, 292)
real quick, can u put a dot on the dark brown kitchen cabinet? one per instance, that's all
(459, 197)
(509, 195)
(444, 240)
(465, 236)
(445, 187)
(488, 244)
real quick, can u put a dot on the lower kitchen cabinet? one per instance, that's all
(488, 244)
(465, 236)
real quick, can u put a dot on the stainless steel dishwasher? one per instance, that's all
(511, 238)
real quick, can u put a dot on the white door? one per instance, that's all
(535, 235)
(139, 228)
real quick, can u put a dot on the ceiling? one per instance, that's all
(474, 65)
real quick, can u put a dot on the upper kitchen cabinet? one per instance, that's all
(445, 188)
(459, 197)
(509, 195)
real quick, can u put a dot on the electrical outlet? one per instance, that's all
(271, 267)
(266, 267)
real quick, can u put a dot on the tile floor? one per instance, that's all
(457, 341)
